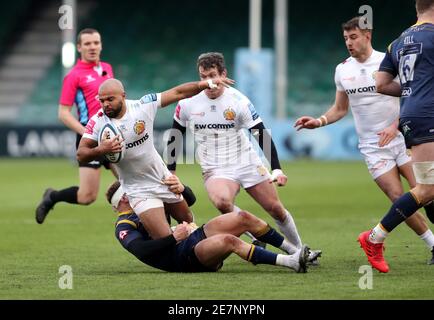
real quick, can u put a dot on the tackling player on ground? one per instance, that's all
(192, 249)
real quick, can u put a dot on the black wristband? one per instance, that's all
(189, 196)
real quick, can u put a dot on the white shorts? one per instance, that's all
(152, 200)
(381, 160)
(247, 176)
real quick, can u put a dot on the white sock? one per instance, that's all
(237, 209)
(378, 234)
(247, 233)
(251, 236)
(428, 237)
(289, 261)
(288, 228)
(288, 247)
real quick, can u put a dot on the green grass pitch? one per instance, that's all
(331, 203)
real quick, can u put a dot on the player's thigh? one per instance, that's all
(89, 180)
(423, 152)
(390, 183)
(230, 223)
(155, 222)
(179, 211)
(265, 194)
(222, 189)
(211, 252)
(423, 162)
(406, 170)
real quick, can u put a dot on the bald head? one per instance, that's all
(111, 86)
(112, 98)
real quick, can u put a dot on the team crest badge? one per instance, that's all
(374, 74)
(229, 114)
(139, 127)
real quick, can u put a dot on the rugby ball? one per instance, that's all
(107, 132)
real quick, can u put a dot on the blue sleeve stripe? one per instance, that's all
(83, 113)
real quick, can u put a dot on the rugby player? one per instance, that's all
(411, 56)
(376, 120)
(192, 249)
(217, 117)
(141, 170)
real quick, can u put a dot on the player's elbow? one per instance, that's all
(61, 114)
(381, 87)
(80, 155)
(383, 82)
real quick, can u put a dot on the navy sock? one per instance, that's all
(258, 255)
(401, 209)
(429, 210)
(66, 195)
(272, 237)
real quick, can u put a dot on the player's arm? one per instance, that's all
(388, 134)
(336, 112)
(176, 186)
(142, 248)
(174, 145)
(384, 79)
(190, 89)
(267, 145)
(89, 150)
(65, 115)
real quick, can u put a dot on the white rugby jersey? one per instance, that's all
(372, 111)
(218, 126)
(141, 168)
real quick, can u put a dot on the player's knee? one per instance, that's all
(275, 208)
(426, 193)
(224, 205)
(86, 198)
(247, 218)
(229, 241)
(395, 195)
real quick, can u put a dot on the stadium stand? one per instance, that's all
(154, 47)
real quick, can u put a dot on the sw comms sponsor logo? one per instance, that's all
(214, 126)
(137, 142)
(361, 90)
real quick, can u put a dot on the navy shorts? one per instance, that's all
(96, 164)
(185, 256)
(417, 130)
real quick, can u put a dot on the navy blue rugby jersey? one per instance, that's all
(411, 56)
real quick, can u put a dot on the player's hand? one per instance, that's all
(387, 135)
(114, 144)
(192, 227)
(174, 184)
(182, 231)
(217, 82)
(307, 122)
(279, 177)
